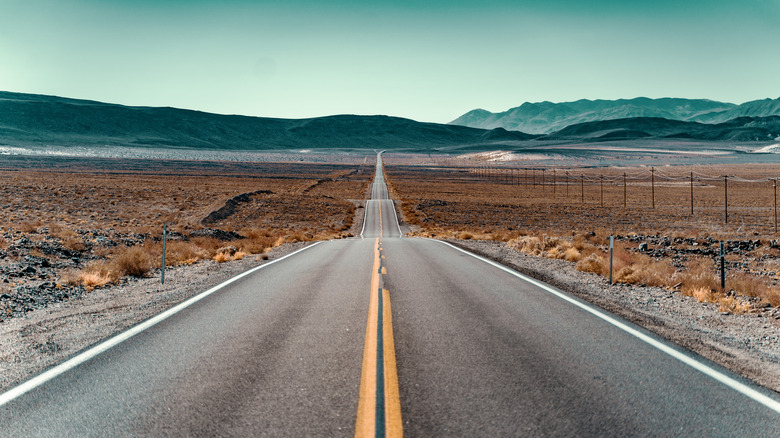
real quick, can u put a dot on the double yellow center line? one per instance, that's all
(379, 405)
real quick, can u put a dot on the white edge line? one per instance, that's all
(77, 360)
(397, 223)
(693, 363)
(365, 216)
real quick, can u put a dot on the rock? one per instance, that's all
(229, 250)
(643, 247)
(216, 234)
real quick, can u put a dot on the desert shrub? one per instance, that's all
(592, 263)
(93, 279)
(183, 253)
(135, 261)
(733, 305)
(702, 294)
(96, 274)
(527, 244)
(226, 254)
(222, 257)
(208, 244)
(29, 227)
(752, 286)
(572, 255)
(698, 274)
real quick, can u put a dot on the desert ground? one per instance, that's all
(649, 214)
(69, 225)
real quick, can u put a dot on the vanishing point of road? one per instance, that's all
(381, 336)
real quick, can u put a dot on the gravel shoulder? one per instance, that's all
(746, 344)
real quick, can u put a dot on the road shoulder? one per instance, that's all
(746, 344)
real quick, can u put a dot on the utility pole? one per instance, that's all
(582, 188)
(774, 181)
(567, 184)
(553, 183)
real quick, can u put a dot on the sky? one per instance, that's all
(427, 60)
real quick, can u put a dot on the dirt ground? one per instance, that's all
(63, 220)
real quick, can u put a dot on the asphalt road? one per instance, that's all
(295, 347)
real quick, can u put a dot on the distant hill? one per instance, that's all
(739, 129)
(548, 117)
(35, 120)
(27, 119)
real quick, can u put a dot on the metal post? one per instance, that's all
(652, 184)
(775, 187)
(542, 180)
(162, 275)
(582, 188)
(722, 266)
(567, 184)
(553, 182)
(611, 250)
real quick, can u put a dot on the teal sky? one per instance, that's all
(429, 61)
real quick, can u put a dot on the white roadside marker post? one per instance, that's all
(611, 247)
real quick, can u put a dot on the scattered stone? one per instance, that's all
(217, 234)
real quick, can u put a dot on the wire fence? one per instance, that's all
(742, 204)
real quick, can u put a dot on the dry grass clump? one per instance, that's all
(226, 254)
(134, 261)
(183, 253)
(752, 286)
(699, 274)
(593, 263)
(544, 245)
(30, 227)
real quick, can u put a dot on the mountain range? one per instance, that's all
(37, 120)
(548, 117)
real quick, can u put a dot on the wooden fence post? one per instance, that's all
(691, 193)
(652, 184)
(624, 189)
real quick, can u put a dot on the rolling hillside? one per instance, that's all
(33, 119)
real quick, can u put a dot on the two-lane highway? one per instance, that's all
(384, 335)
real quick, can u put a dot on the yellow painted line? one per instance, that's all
(393, 423)
(388, 406)
(365, 425)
